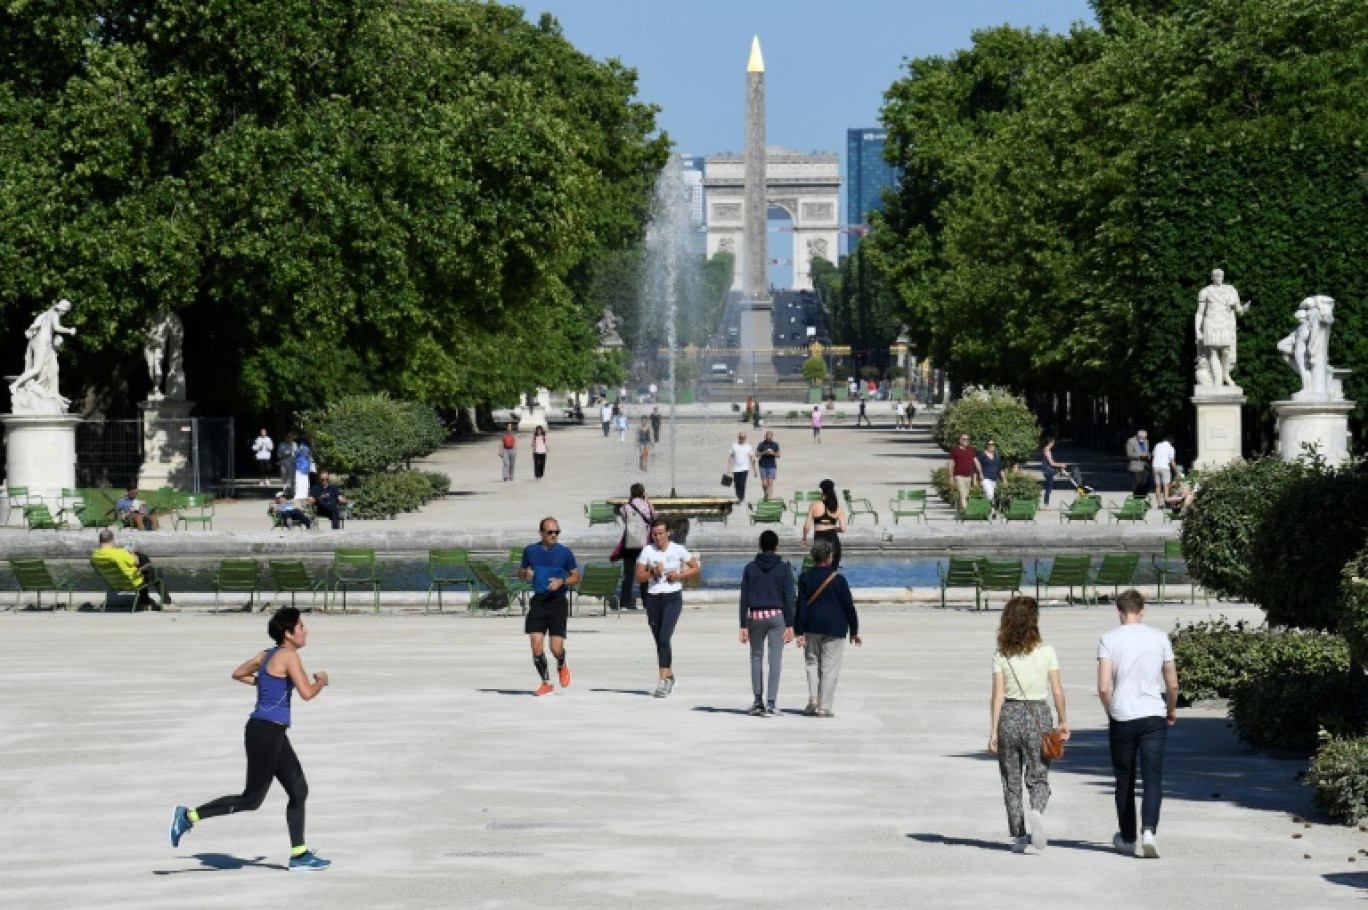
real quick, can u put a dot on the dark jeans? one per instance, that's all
(662, 614)
(538, 464)
(329, 511)
(1140, 481)
(1143, 738)
(739, 481)
(628, 592)
(269, 755)
(1049, 484)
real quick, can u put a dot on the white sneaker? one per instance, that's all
(1038, 838)
(1148, 848)
(1124, 847)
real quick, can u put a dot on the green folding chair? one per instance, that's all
(34, 577)
(292, 577)
(238, 576)
(501, 595)
(355, 568)
(997, 575)
(1069, 570)
(602, 582)
(1116, 570)
(959, 572)
(858, 506)
(119, 583)
(767, 511)
(447, 567)
(908, 504)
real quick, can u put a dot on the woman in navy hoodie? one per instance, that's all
(766, 615)
(824, 619)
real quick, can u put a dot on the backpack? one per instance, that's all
(637, 530)
(303, 460)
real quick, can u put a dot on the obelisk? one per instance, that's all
(756, 303)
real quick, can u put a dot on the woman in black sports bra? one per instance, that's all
(826, 521)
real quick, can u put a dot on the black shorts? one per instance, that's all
(547, 614)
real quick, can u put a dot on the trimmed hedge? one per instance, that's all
(993, 414)
(1303, 687)
(1339, 774)
(369, 434)
(386, 495)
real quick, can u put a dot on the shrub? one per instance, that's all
(814, 369)
(1015, 485)
(441, 483)
(387, 494)
(994, 414)
(945, 487)
(1339, 774)
(1214, 656)
(368, 434)
(1301, 687)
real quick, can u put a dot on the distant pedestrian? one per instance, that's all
(767, 604)
(963, 468)
(285, 455)
(654, 389)
(606, 416)
(662, 567)
(644, 444)
(1049, 467)
(552, 569)
(1138, 456)
(990, 468)
(655, 425)
(826, 521)
(637, 515)
(539, 451)
(620, 421)
(740, 458)
(862, 415)
(262, 447)
(1137, 682)
(900, 415)
(303, 467)
(823, 619)
(1025, 671)
(508, 451)
(817, 424)
(767, 453)
(1162, 463)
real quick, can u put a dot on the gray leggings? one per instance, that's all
(1019, 727)
(760, 630)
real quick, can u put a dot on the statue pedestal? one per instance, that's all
(1323, 423)
(168, 439)
(1219, 426)
(40, 453)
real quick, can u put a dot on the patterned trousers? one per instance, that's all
(1019, 727)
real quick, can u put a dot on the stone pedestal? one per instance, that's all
(1219, 426)
(40, 453)
(168, 445)
(1324, 424)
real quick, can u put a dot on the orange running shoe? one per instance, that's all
(546, 689)
(564, 677)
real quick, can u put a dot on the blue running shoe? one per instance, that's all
(180, 823)
(308, 861)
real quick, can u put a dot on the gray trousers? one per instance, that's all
(822, 654)
(1019, 730)
(509, 456)
(760, 631)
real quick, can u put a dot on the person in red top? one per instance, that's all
(964, 467)
(508, 451)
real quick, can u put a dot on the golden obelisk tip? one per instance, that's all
(757, 62)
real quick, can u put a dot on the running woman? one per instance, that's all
(552, 569)
(662, 566)
(275, 673)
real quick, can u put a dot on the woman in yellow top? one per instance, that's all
(1024, 670)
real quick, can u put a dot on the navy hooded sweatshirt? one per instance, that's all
(767, 584)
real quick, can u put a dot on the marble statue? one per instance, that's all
(607, 328)
(1217, 306)
(165, 365)
(35, 390)
(1307, 349)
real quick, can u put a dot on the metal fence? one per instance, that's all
(195, 454)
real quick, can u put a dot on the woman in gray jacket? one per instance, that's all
(766, 615)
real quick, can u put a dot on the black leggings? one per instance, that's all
(539, 464)
(662, 613)
(269, 755)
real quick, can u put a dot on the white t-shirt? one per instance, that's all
(1163, 456)
(1137, 653)
(741, 453)
(674, 558)
(606, 413)
(263, 446)
(1032, 670)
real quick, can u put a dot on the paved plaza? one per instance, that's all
(436, 780)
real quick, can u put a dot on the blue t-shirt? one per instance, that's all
(557, 562)
(991, 466)
(765, 450)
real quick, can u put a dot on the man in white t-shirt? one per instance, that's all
(1138, 684)
(740, 460)
(1162, 463)
(606, 416)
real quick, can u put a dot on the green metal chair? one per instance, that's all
(1171, 565)
(1116, 570)
(997, 575)
(34, 577)
(71, 501)
(1020, 510)
(801, 502)
(960, 572)
(39, 517)
(1068, 570)
(447, 567)
(600, 512)
(1084, 508)
(355, 567)
(908, 504)
(977, 508)
(1133, 508)
(292, 577)
(858, 506)
(767, 511)
(194, 508)
(19, 498)
(99, 506)
(602, 582)
(238, 576)
(119, 583)
(501, 594)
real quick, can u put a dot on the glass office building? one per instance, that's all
(867, 175)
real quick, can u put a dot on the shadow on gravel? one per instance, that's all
(643, 692)
(709, 709)
(221, 862)
(1204, 761)
(509, 691)
(1002, 846)
(1348, 879)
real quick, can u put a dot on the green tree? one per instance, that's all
(814, 370)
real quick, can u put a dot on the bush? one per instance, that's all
(441, 483)
(814, 369)
(387, 494)
(994, 414)
(1015, 485)
(1301, 686)
(1215, 656)
(369, 434)
(1339, 774)
(945, 487)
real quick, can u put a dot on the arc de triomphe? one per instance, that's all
(805, 186)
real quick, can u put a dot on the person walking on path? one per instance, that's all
(539, 451)
(1162, 463)
(644, 444)
(1137, 682)
(990, 468)
(606, 416)
(637, 516)
(655, 425)
(826, 522)
(740, 459)
(1049, 467)
(508, 451)
(1138, 456)
(862, 415)
(823, 619)
(552, 569)
(662, 567)
(767, 453)
(899, 415)
(285, 459)
(1025, 669)
(963, 467)
(620, 421)
(262, 448)
(767, 605)
(817, 424)
(276, 673)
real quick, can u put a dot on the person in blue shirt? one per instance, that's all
(551, 568)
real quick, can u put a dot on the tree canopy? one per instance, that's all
(1065, 196)
(336, 197)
